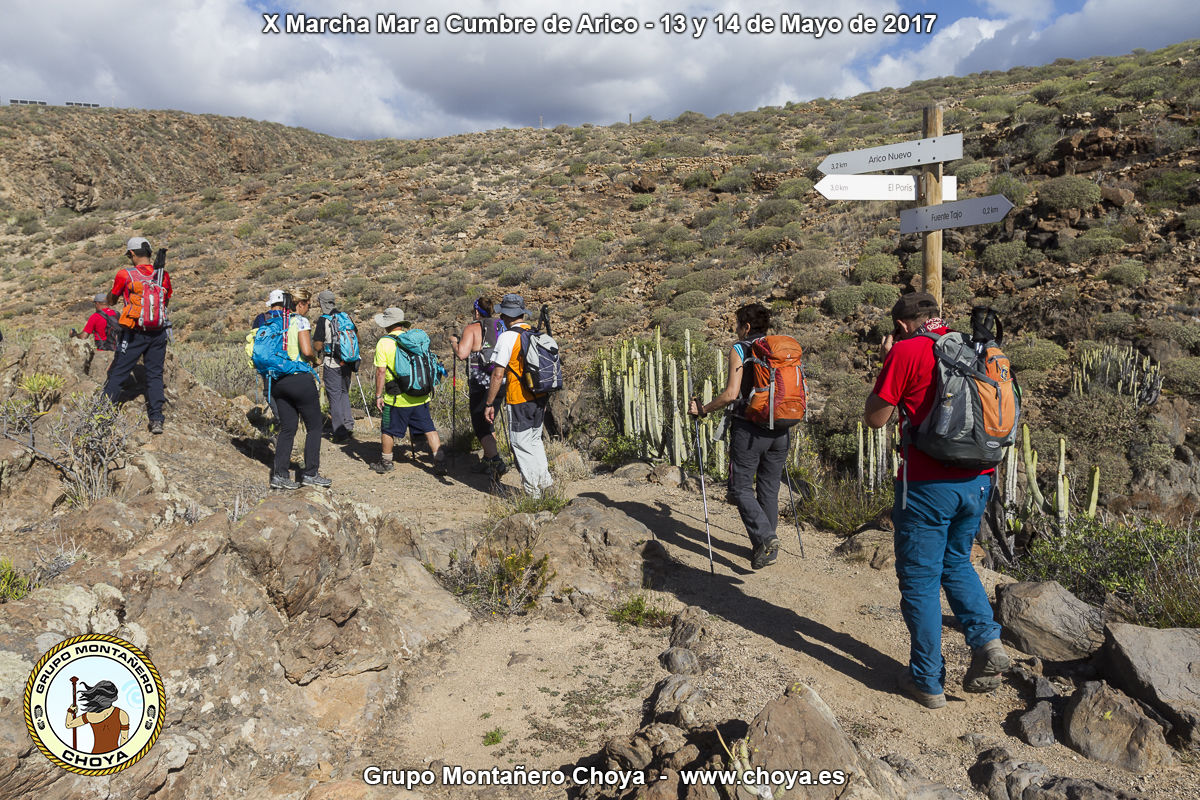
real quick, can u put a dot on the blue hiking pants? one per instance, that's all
(933, 550)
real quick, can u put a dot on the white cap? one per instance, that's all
(137, 243)
(275, 297)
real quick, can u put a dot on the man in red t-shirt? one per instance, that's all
(97, 324)
(936, 515)
(149, 345)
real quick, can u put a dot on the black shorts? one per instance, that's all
(477, 400)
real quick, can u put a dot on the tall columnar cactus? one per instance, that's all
(1059, 504)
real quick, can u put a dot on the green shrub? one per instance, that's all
(505, 583)
(637, 612)
(841, 301)
(1011, 187)
(841, 506)
(1068, 192)
(700, 179)
(1096, 242)
(763, 240)
(707, 279)
(1171, 186)
(641, 202)
(876, 267)
(687, 301)
(794, 189)
(774, 212)
(514, 275)
(586, 248)
(971, 170)
(1010, 256)
(1128, 273)
(1117, 323)
(13, 584)
(610, 279)
(1182, 375)
(736, 180)
(1034, 353)
(880, 295)
(513, 238)
(1152, 566)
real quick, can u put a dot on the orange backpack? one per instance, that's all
(145, 301)
(779, 396)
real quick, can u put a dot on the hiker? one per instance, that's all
(405, 375)
(145, 292)
(283, 354)
(339, 360)
(936, 514)
(757, 453)
(104, 325)
(476, 346)
(525, 411)
(110, 723)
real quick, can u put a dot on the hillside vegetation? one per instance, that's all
(673, 224)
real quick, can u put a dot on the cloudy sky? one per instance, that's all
(212, 56)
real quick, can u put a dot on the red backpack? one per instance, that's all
(145, 301)
(779, 396)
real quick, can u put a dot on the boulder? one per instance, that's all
(637, 471)
(676, 699)
(999, 776)
(1045, 620)
(872, 546)
(1105, 725)
(1161, 668)
(679, 661)
(798, 731)
(668, 475)
(1036, 726)
(598, 550)
(687, 629)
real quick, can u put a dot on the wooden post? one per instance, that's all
(930, 194)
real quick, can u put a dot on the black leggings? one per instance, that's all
(296, 397)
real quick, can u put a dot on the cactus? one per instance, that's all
(861, 463)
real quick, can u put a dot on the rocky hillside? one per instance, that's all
(88, 159)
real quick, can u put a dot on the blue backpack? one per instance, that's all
(415, 372)
(344, 341)
(269, 352)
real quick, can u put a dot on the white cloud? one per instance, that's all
(209, 56)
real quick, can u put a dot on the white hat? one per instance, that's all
(275, 297)
(137, 243)
(391, 316)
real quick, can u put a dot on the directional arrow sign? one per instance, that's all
(894, 156)
(975, 211)
(879, 187)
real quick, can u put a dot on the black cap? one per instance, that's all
(915, 304)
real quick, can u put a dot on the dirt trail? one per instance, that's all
(557, 688)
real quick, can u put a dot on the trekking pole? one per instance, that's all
(453, 405)
(74, 702)
(363, 395)
(792, 498)
(703, 490)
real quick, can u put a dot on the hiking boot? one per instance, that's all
(904, 681)
(439, 461)
(383, 467)
(315, 480)
(988, 663)
(156, 426)
(496, 466)
(343, 436)
(283, 482)
(765, 554)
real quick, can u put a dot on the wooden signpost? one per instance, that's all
(843, 181)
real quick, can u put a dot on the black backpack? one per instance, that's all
(112, 330)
